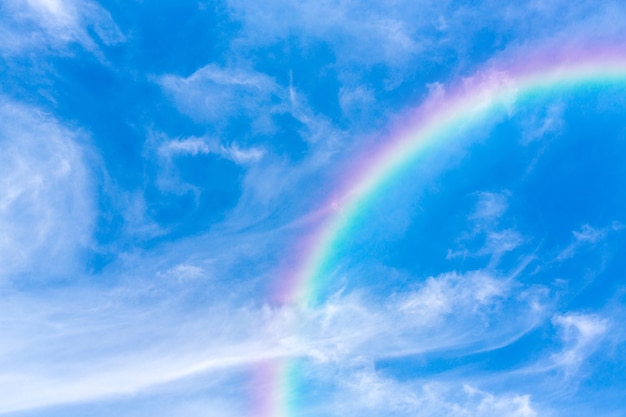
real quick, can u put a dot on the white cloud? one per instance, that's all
(509, 405)
(46, 201)
(587, 236)
(52, 24)
(453, 311)
(191, 146)
(490, 207)
(85, 345)
(450, 293)
(241, 155)
(361, 32)
(500, 242)
(419, 34)
(365, 392)
(185, 272)
(582, 335)
(578, 337)
(356, 101)
(200, 146)
(549, 121)
(486, 221)
(169, 152)
(213, 93)
(217, 95)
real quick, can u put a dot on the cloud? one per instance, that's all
(53, 24)
(582, 335)
(185, 272)
(47, 206)
(213, 93)
(366, 392)
(188, 168)
(473, 311)
(487, 223)
(368, 33)
(500, 242)
(197, 146)
(192, 146)
(223, 98)
(363, 32)
(587, 236)
(282, 144)
(549, 121)
(565, 362)
(490, 207)
(451, 292)
(408, 47)
(84, 345)
(356, 101)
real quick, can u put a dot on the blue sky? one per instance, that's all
(161, 162)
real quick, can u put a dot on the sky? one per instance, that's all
(312, 208)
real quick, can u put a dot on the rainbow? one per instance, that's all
(490, 91)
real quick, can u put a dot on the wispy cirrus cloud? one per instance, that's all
(53, 24)
(582, 335)
(47, 207)
(194, 146)
(212, 93)
(372, 393)
(219, 95)
(489, 224)
(145, 332)
(587, 236)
